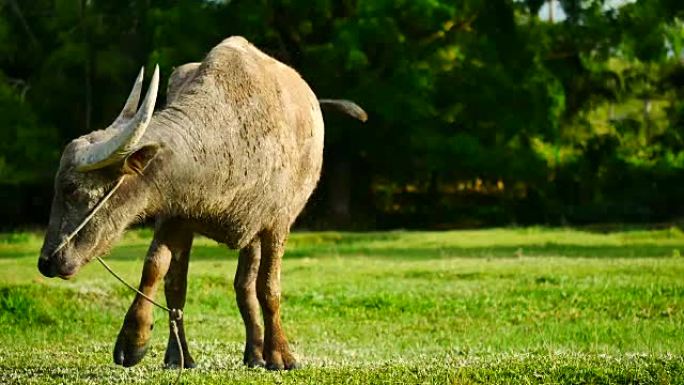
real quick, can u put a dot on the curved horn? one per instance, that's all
(127, 134)
(131, 105)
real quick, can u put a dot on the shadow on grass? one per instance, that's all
(203, 252)
(514, 243)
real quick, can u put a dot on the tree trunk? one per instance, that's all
(647, 119)
(20, 15)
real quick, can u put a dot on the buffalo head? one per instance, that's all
(90, 167)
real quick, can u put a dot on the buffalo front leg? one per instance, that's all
(175, 287)
(245, 293)
(276, 351)
(132, 342)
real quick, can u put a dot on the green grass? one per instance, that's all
(493, 306)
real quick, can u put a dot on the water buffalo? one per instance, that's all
(234, 156)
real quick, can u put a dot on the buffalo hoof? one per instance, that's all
(255, 363)
(252, 356)
(128, 354)
(172, 358)
(282, 366)
(279, 361)
(175, 363)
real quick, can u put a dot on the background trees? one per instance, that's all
(482, 112)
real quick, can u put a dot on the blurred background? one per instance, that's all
(482, 112)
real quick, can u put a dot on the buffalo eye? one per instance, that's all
(70, 189)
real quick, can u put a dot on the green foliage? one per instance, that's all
(16, 306)
(25, 144)
(469, 92)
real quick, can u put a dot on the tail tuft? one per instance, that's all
(346, 106)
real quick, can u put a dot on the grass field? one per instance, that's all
(493, 306)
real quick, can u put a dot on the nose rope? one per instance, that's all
(175, 315)
(90, 216)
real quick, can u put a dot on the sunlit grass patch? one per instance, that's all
(530, 305)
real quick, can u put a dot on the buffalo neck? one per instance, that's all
(177, 170)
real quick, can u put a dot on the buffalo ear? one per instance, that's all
(137, 161)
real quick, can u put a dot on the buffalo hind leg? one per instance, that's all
(133, 339)
(276, 351)
(245, 293)
(175, 287)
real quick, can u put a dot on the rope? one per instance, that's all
(174, 327)
(175, 315)
(90, 216)
(109, 269)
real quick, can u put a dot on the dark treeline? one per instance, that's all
(482, 112)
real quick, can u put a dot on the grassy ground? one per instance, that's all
(492, 306)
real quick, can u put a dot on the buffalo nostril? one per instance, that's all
(46, 268)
